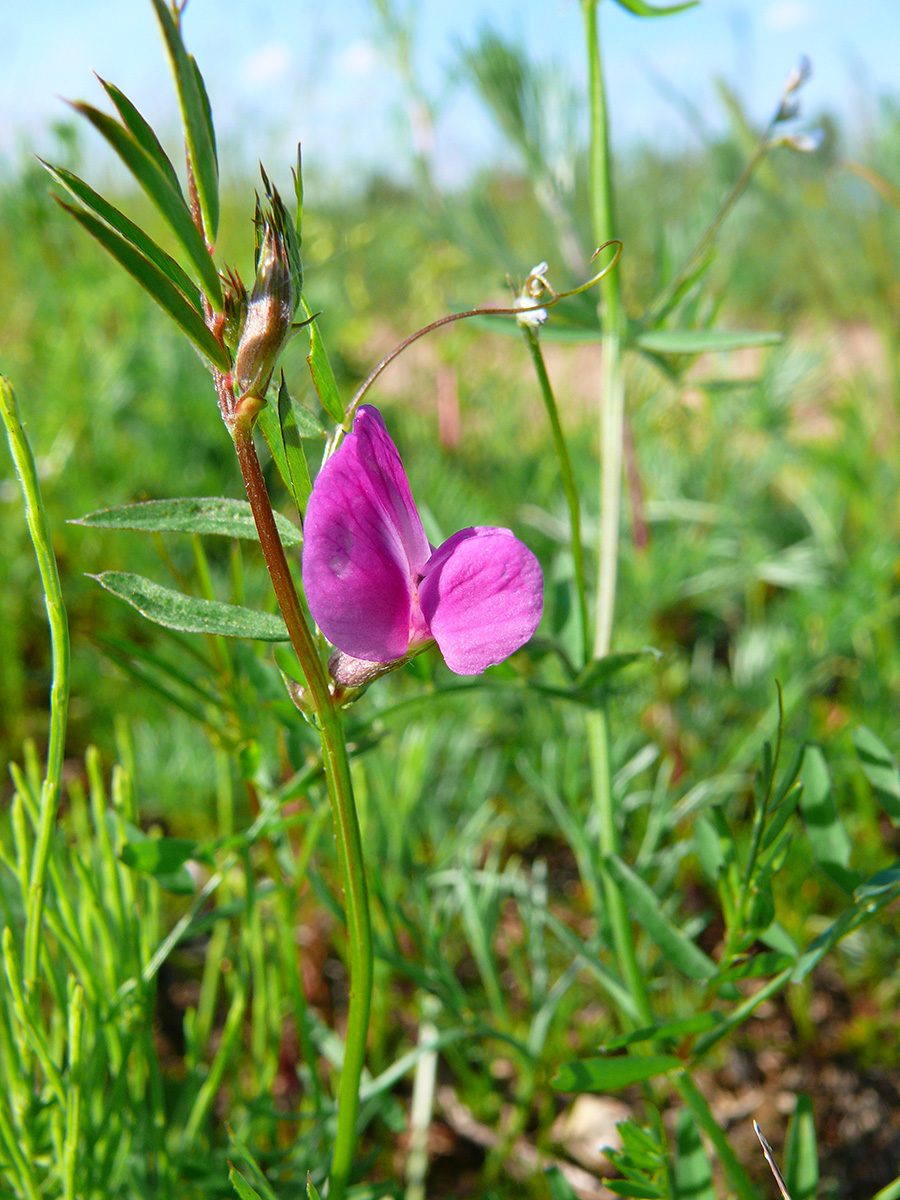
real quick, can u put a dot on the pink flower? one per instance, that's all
(379, 591)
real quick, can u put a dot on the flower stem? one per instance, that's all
(340, 791)
(569, 487)
(612, 412)
(612, 422)
(59, 691)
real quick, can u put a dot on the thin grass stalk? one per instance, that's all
(570, 488)
(59, 688)
(891, 1192)
(702, 1114)
(206, 1095)
(73, 1107)
(611, 437)
(10, 1139)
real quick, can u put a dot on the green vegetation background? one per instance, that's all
(763, 534)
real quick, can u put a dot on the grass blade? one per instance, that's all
(612, 1074)
(700, 341)
(827, 834)
(880, 769)
(26, 470)
(693, 1173)
(680, 951)
(801, 1156)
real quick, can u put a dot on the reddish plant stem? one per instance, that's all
(340, 786)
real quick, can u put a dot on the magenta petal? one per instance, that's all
(482, 596)
(363, 544)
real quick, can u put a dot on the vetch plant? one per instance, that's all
(380, 593)
(478, 596)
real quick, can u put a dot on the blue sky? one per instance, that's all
(280, 72)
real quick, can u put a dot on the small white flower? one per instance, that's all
(535, 286)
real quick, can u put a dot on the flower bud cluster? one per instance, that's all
(269, 316)
(257, 327)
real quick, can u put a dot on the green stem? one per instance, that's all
(735, 931)
(610, 485)
(340, 791)
(59, 690)
(568, 481)
(608, 837)
(612, 424)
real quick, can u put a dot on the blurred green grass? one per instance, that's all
(768, 482)
(793, 448)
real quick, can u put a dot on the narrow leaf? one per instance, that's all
(311, 1192)
(777, 938)
(708, 845)
(242, 1187)
(190, 614)
(768, 963)
(641, 9)
(298, 196)
(146, 680)
(283, 434)
(879, 883)
(268, 424)
(212, 514)
(782, 815)
(698, 1023)
(167, 199)
(558, 1186)
(308, 424)
(678, 949)
(693, 1172)
(599, 670)
(130, 232)
(320, 369)
(612, 1074)
(699, 341)
(881, 889)
(828, 837)
(156, 284)
(300, 482)
(801, 1160)
(142, 133)
(207, 107)
(880, 769)
(196, 120)
(634, 1190)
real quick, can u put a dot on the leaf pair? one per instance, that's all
(136, 144)
(175, 610)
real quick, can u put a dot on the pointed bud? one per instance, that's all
(272, 303)
(798, 76)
